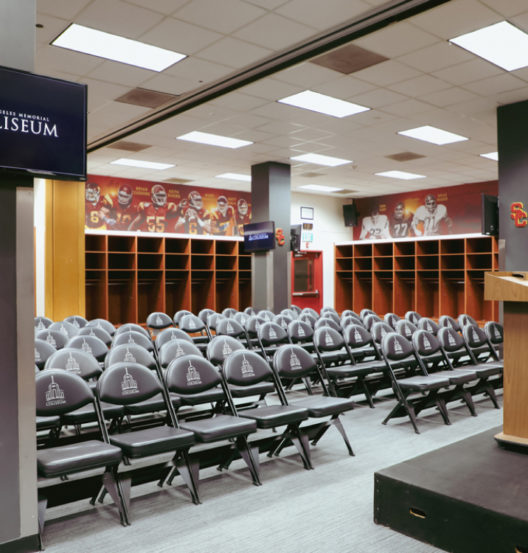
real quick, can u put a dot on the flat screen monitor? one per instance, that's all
(259, 237)
(490, 214)
(42, 125)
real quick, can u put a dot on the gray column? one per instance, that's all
(271, 199)
(512, 122)
(18, 508)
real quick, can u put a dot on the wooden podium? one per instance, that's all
(512, 289)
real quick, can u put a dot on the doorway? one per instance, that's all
(307, 279)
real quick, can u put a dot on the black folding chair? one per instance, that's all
(89, 344)
(391, 319)
(54, 338)
(427, 324)
(68, 329)
(41, 323)
(197, 330)
(99, 332)
(102, 323)
(495, 333)
(229, 312)
(157, 321)
(132, 327)
(270, 336)
(169, 334)
(412, 316)
(406, 329)
(133, 337)
(43, 350)
(233, 329)
(77, 321)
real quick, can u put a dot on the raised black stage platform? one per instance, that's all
(469, 497)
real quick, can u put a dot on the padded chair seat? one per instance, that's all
(220, 427)
(47, 423)
(152, 405)
(209, 396)
(254, 390)
(422, 383)
(484, 370)
(323, 406)
(86, 413)
(152, 441)
(457, 376)
(360, 369)
(67, 459)
(362, 352)
(334, 356)
(275, 415)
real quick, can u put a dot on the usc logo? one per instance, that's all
(518, 214)
(279, 236)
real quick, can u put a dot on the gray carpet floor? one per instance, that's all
(328, 509)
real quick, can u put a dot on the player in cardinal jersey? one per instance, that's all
(400, 222)
(154, 216)
(223, 218)
(123, 209)
(428, 217)
(197, 218)
(375, 226)
(96, 209)
(243, 217)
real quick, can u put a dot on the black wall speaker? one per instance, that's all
(295, 238)
(350, 215)
(490, 215)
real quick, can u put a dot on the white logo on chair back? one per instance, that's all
(86, 348)
(54, 394)
(328, 339)
(159, 322)
(428, 326)
(128, 384)
(92, 333)
(129, 358)
(272, 334)
(300, 331)
(63, 330)
(179, 351)
(72, 364)
(99, 325)
(193, 376)
(295, 364)
(229, 327)
(451, 339)
(51, 340)
(474, 335)
(426, 343)
(357, 335)
(75, 323)
(41, 326)
(130, 338)
(226, 350)
(496, 333)
(192, 324)
(37, 355)
(397, 346)
(246, 369)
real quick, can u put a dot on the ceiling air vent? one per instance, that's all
(348, 59)
(146, 98)
(404, 156)
(129, 146)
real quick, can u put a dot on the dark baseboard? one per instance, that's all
(28, 544)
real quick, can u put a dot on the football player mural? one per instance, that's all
(115, 204)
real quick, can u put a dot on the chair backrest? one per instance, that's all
(300, 331)
(126, 383)
(67, 329)
(391, 319)
(59, 392)
(43, 350)
(168, 334)
(282, 320)
(77, 321)
(328, 309)
(289, 313)
(130, 353)
(425, 323)
(229, 312)
(475, 337)
(103, 323)
(495, 332)
(448, 321)
(379, 330)
(158, 321)
(250, 311)
(191, 374)
(370, 319)
(96, 331)
(266, 315)
(74, 361)
(327, 339)
(396, 347)
(327, 321)
(413, 317)
(365, 312)
(331, 315)
(310, 311)
(425, 343)
(221, 347)
(357, 336)
(132, 327)
(271, 334)
(174, 349)
(89, 344)
(133, 337)
(179, 314)
(192, 324)
(213, 319)
(42, 322)
(230, 327)
(204, 314)
(451, 340)
(296, 308)
(405, 328)
(253, 324)
(349, 313)
(291, 362)
(245, 368)
(55, 338)
(351, 320)
(464, 319)
(241, 318)
(308, 318)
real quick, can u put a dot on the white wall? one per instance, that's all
(329, 227)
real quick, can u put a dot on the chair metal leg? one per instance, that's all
(300, 441)
(111, 483)
(491, 394)
(250, 458)
(336, 421)
(367, 393)
(189, 471)
(321, 431)
(468, 400)
(42, 504)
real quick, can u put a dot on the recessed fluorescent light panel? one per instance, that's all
(400, 175)
(323, 104)
(142, 164)
(116, 48)
(320, 188)
(501, 44)
(318, 159)
(234, 176)
(433, 135)
(214, 140)
(491, 155)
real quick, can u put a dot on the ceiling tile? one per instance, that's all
(419, 85)
(169, 84)
(233, 52)
(51, 58)
(506, 8)
(437, 56)
(467, 72)
(407, 107)
(447, 97)
(270, 89)
(66, 9)
(388, 72)
(197, 70)
(495, 85)
(166, 7)
(267, 4)
(120, 73)
(378, 98)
